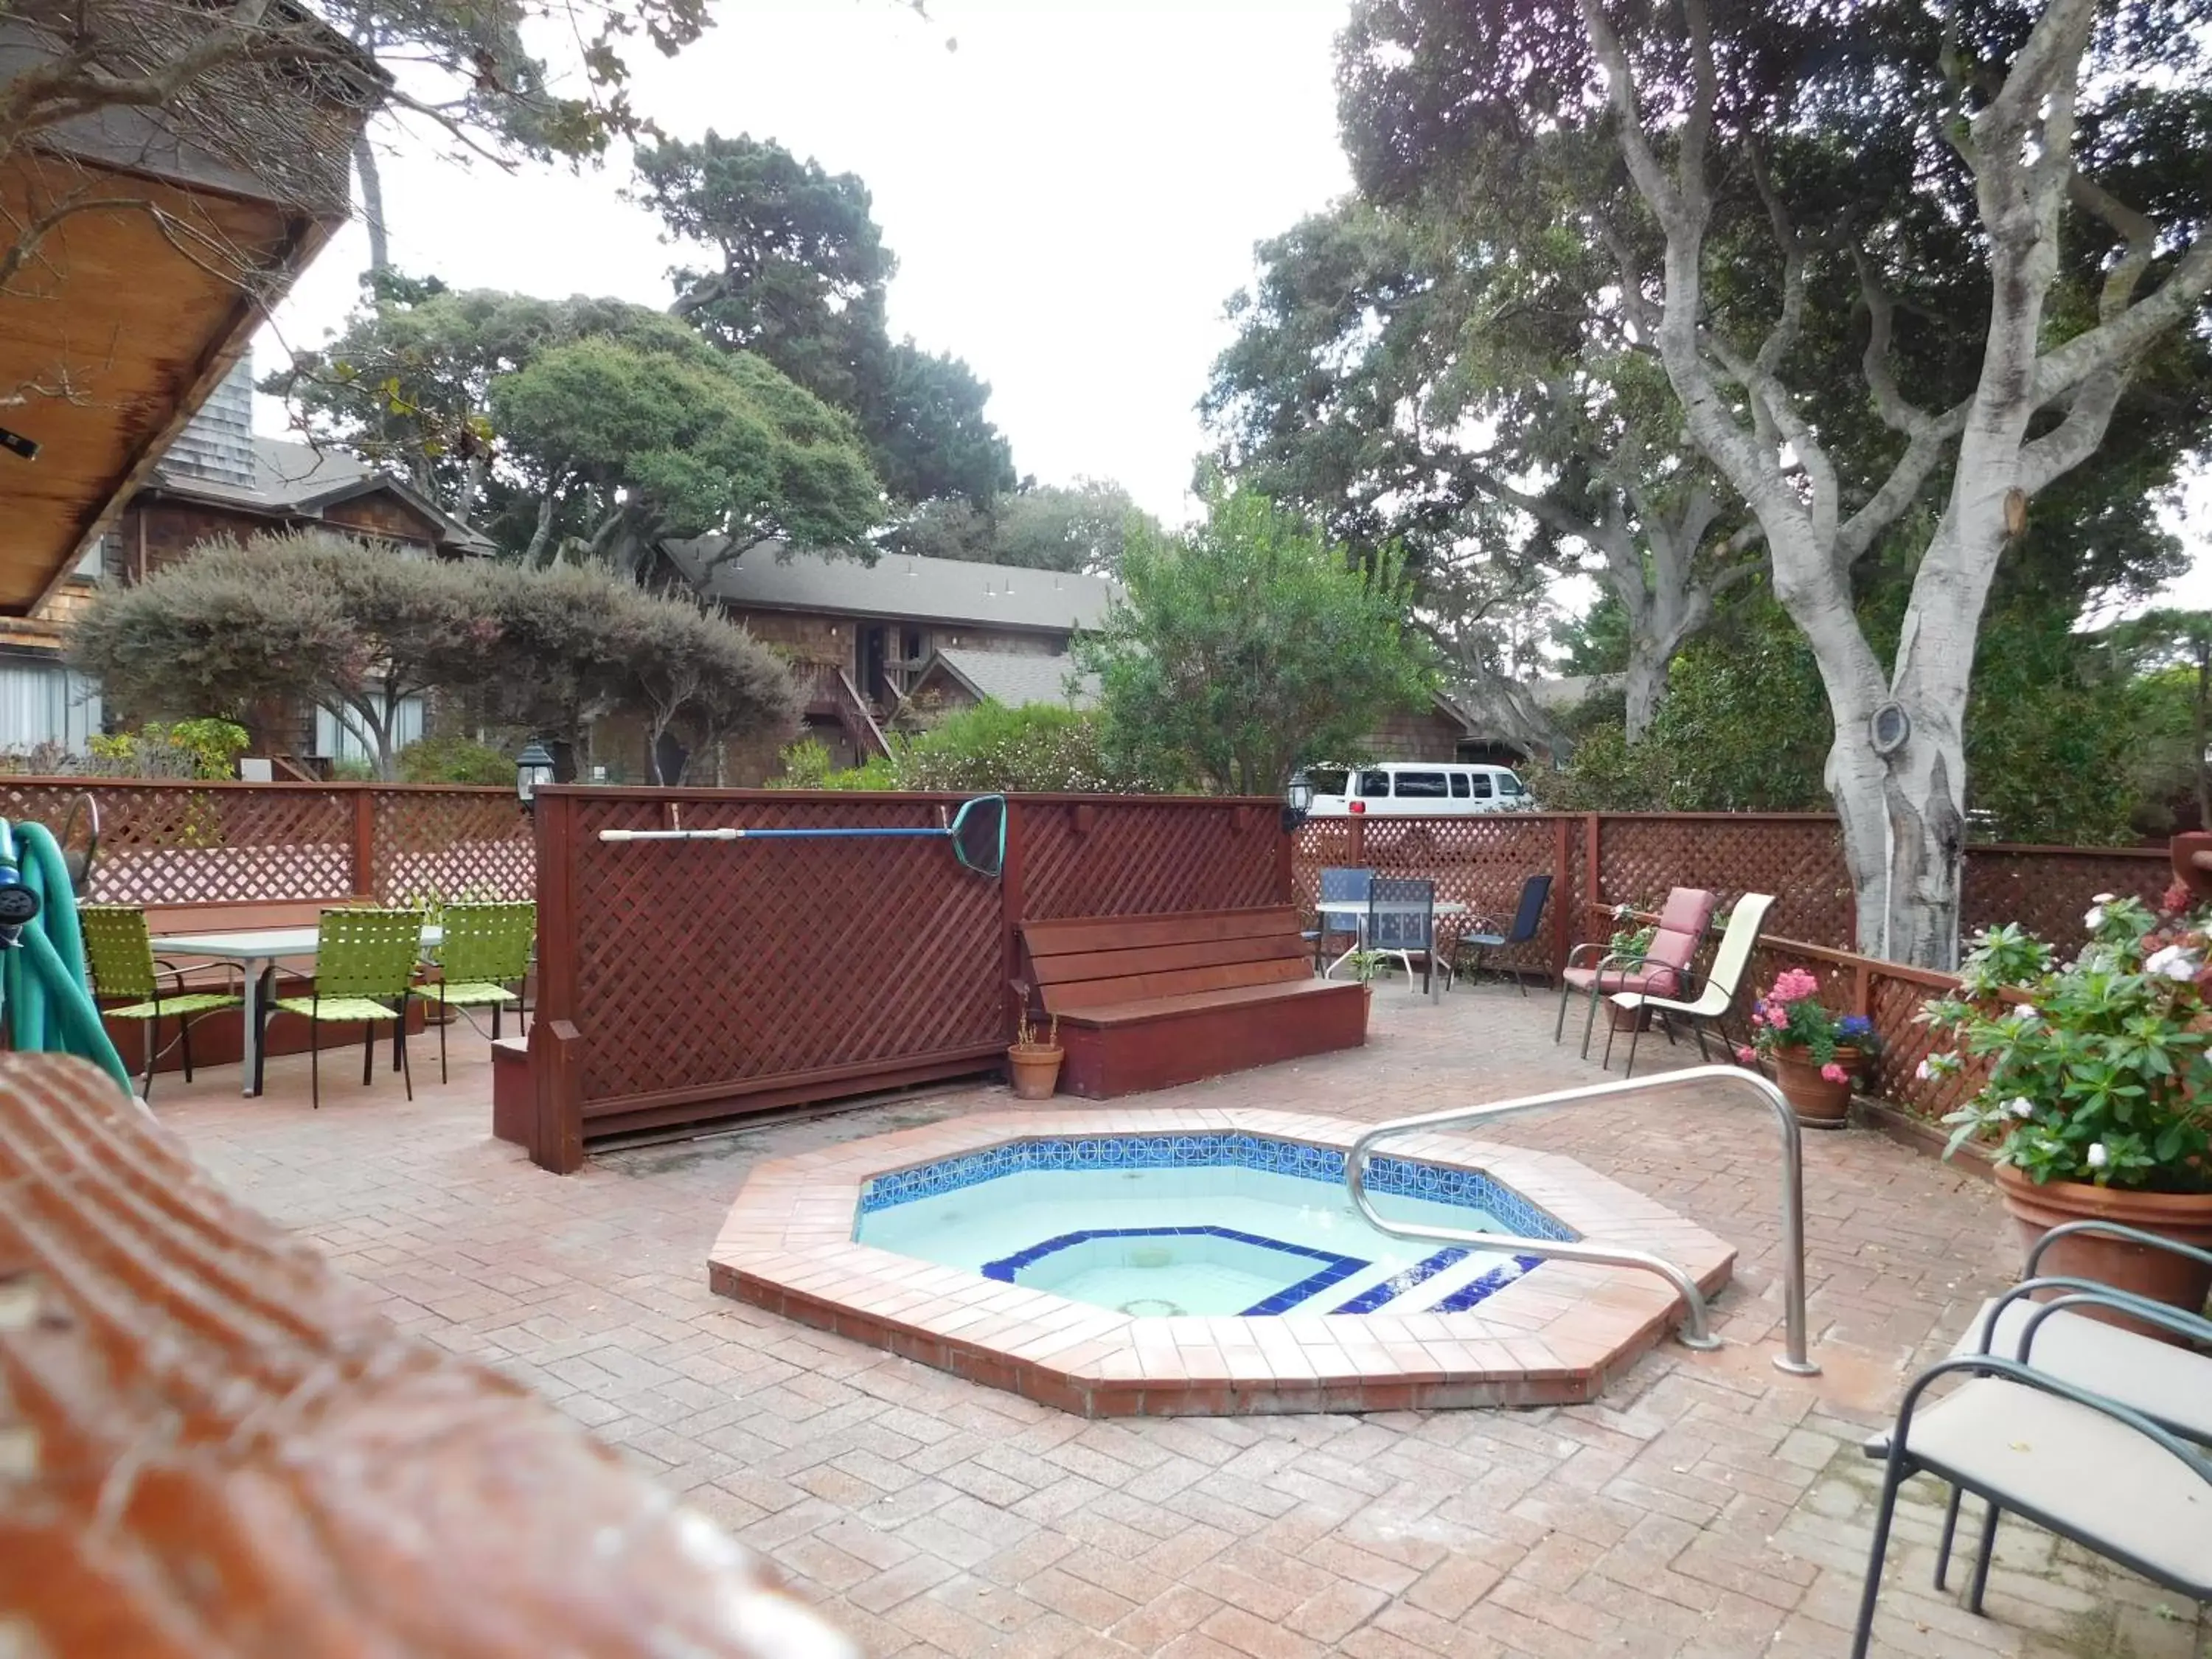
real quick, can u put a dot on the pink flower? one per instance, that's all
(1835, 1073)
(1794, 985)
(1745, 1056)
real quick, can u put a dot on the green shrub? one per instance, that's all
(454, 759)
(179, 748)
(1039, 747)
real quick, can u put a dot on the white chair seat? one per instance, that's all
(1710, 1004)
(2105, 1484)
(2169, 1384)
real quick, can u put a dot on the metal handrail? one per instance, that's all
(1696, 1334)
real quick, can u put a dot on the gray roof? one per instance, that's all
(1014, 678)
(895, 587)
(302, 479)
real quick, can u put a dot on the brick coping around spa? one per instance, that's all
(1556, 1337)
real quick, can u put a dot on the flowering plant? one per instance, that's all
(1792, 1016)
(2097, 1068)
(1628, 939)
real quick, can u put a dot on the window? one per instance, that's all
(1328, 780)
(1510, 785)
(1459, 786)
(341, 736)
(1375, 786)
(1421, 785)
(43, 702)
(1482, 786)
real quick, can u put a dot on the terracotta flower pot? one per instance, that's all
(2156, 1275)
(1627, 1019)
(1035, 1066)
(1819, 1103)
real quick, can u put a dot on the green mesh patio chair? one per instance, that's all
(364, 970)
(485, 948)
(119, 952)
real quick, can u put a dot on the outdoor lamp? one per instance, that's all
(532, 767)
(1297, 801)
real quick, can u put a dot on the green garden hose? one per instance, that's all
(42, 972)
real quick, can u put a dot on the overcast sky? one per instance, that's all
(1073, 194)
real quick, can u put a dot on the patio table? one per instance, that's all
(257, 951)
(1358, 909)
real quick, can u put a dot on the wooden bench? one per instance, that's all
(1145, 1002)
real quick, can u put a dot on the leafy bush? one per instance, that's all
(454, 759)
(2098, 1069)
(987, 749)
(180, 749)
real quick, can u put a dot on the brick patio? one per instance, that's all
(1707, 1506)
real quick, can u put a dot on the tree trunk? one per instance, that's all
(371, 201)
(1646, 683)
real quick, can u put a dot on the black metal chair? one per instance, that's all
(1535, 893)
(1339, 885)
(1402, 922)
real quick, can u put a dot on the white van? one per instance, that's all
(1407, 789)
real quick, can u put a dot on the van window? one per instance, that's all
(1507, 784)
(1482, 786)
(1423, 786)
(1459, 786)
(1328, 780)
(1375, 786)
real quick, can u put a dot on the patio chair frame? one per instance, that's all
(1406, 888)
(1695, 985)
(1900, 1463)
(2179, 1321)
(1627, 959)
(470, 990)
(325, 972)
(147, 990)
(1322, 895)
(1486, 941)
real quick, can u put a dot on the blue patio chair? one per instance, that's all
(1402, 922)
(1338, 886)
(1535, 893)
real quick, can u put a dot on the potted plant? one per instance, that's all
(1034, 1065)
(2095, 1086)
(1364, 966)
(1632, 943)
(1816, 1051)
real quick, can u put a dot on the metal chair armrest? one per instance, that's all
(2179, 1321)
(2114, 1230)
(2012, 1370)
(231, 986)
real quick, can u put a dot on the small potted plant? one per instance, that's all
(1816, 1051)
(1364, 966)
(1034, 1065)
(1631, 943)
(2095, 1082)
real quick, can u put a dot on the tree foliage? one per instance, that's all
(1249, 645)
(583, 426)
(798, 275)
(1083, 528)
(1039, 747)
(313, 617)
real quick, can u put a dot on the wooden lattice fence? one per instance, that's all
(171, 845)
(684, 981)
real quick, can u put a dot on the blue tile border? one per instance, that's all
(1505, 1274)
(1427, 1268)
(1335, 1269)
(1405, 1177)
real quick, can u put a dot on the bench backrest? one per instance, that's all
(1094, 961)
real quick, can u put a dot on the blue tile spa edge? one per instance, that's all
(1335, 1269)
(1428, 1267)
(1401, 1177)
(1491, 1282)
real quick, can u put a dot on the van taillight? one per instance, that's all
(1356, 806)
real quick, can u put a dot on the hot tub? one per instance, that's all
(1114, 1261)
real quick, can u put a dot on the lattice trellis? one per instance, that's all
(1896, 1004)
(1135, 857)
(452, 845)
(172, 845)
(2048, 890)
(711, 963)
(1799, 860)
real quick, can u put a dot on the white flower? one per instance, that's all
(2022, 1014)
(1923, 1071)
(2093, 918)
(2021, 1106)
(2174, 961)
(2098, 1157)
(2100, 898)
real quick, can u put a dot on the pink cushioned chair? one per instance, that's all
(1660, 971)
